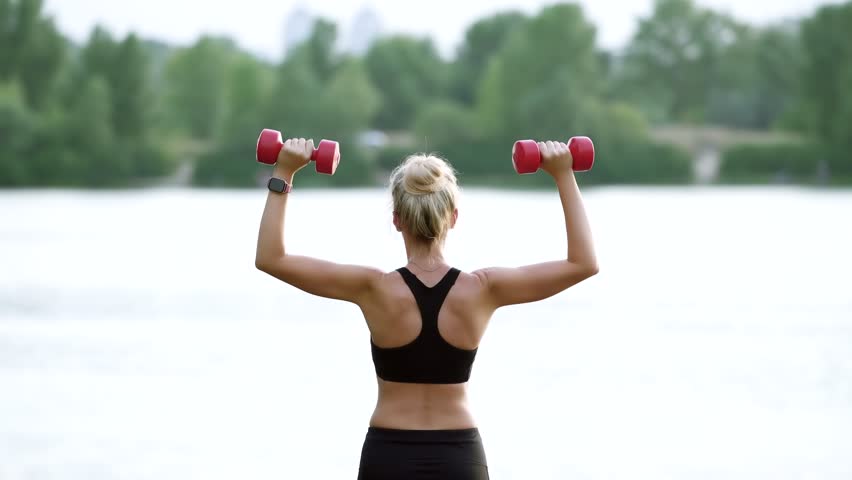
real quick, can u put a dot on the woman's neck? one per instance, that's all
(425, 256)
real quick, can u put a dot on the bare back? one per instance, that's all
(394, 320)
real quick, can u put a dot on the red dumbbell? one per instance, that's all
(326, 155)
(527, 159)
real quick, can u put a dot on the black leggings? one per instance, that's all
(390, 454)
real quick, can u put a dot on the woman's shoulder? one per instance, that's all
(475, 277)
(469, 284)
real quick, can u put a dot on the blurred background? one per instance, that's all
(138, 341)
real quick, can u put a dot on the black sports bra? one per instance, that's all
(428, 358)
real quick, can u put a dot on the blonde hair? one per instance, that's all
(424, 191)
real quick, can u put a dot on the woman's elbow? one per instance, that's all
(592, 269)
(582, 269)
(585, 270)
(260, 264)
(263, 263)
(271, 264)
(266, 257)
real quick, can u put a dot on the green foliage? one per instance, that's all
(626, 155)
(97, 129)
(249, 84)
(98, 55)
(349, 101)
(318, 50)
(31, 50)
(356, 168)
(127, 145)
(231, 162)
(130, 81)
(18, 131)
(827, 78)
(756, 78)
(196, 82)
(781, 162)
(535, 87)
(450, 130)
(92, 156)
(292, 107)
(442, 123)
(115, 111)
(674, 56)
(641, 163)
(229, 165)
(478, 158)
(409, 74)
(687, 64)
(482, 41)
(390, 157)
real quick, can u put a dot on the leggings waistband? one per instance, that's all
(424, 436)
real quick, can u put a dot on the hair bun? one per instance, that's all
(424, 175)
(424, 194)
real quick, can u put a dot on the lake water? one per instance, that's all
(137, 341)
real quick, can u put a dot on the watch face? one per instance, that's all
(277, 185)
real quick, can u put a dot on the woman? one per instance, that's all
(425, 319)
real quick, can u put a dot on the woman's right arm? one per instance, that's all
(509, 286)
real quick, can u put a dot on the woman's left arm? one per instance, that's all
(312, 275)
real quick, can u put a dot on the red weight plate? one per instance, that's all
(525, 156)
(583, 152)
(269, 144)
(327, 156)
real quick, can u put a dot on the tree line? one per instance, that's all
(130, 111)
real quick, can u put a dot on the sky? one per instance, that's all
(258, 25)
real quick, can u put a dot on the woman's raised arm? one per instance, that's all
(312, 275)
(508, 286)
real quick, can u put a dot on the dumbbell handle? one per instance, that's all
(526, 156)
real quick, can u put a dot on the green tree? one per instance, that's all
(535, 87)
(780, 58)
(409, 73)
(318, 50)
(249, 83)
(443, 123)
(125, 69)
(132, 98)
(6, 53)
(482, 41)
(18, 131)
(827, 78)
(756, 79)
(196, 82)
(31, 50)
(350, 101)
(292, 107)
(450, 129)
(674, 57)
(92, 158)
(124, 66)
(231, 161)
(98, 54)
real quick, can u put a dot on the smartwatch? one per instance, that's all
(278, 185)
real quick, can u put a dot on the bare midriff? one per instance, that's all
(417, 406)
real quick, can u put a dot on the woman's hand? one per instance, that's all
(555, 158)
(294, 155)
